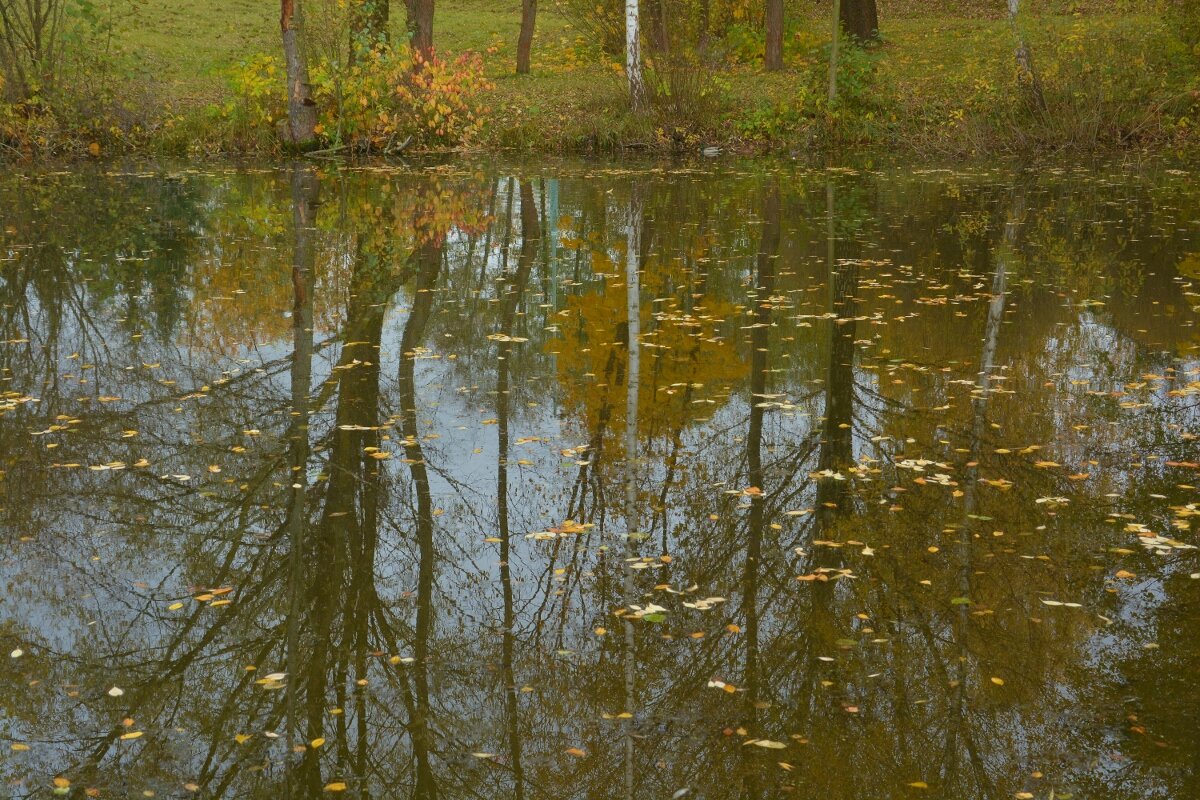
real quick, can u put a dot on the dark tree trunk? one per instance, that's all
(525, 41)
(774, 55)
(420, 22)
(860, 19)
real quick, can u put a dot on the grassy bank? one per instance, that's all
(204, 79)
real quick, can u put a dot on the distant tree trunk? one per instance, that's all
(420, 22)
(1031, 84)
(774, 55)
(368, 24)
(302, 111)
(833, 51)
(633, 56)
(860, 18)
(525, 41)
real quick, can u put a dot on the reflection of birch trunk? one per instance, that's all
(768, 251)
(633, 244)
(987, 363)
(1027, 77)
(305, 188)
(513, 290)
(991, 338)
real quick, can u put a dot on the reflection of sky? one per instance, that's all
(63, 600)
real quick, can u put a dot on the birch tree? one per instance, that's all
(633, 56)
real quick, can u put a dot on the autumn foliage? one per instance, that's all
(392, 95)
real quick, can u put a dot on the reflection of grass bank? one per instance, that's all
(937, 85)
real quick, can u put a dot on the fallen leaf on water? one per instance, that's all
(336, 786)
(767, 743)
(131, 735)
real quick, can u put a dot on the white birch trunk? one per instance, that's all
(633, 56)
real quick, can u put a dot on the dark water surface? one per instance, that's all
(741, 481)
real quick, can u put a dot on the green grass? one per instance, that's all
(938, 83)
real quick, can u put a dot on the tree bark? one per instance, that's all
(1031, 84)
(833, 51)
(860, 18)
(302, 111)
(633, 56)
(525, 41)
(774, 54)
(421, 24)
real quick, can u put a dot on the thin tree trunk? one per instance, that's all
(633, 56)
(302, 111)
(525, 41)
(833, 51)
(774, 54)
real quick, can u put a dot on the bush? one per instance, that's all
(392, 95)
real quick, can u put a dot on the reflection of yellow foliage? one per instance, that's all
(1190, 267)
(242, 290)
(239, 305)
(683, 358)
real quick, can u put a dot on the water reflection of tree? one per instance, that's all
(318, 573)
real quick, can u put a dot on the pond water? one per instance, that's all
(731, 480)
